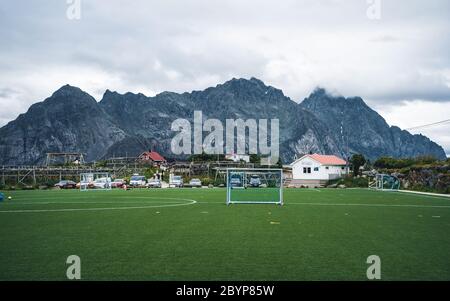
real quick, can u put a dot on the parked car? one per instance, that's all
(85, 185)
(255, 181)
(235, 181)
(118, 183)
(138, 181)
(102, 183)
(195, 183)
(65, 184)
(176, 181)
(154, 183)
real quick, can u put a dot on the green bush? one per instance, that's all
(392, 163)
(206, 158)
(206, 181)
(351, 182)
(219, 182)
(50, 183)
(150, 172)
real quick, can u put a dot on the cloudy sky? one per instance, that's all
(396, 58)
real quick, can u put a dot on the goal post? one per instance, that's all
(254, 186)
(385, 182)
(95, 181)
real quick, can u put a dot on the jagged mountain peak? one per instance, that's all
(114, 96)
(109, 93)
(69, 91)
(318, 92)
(253, 82)
(252, 89)
(71, 120)
(321, 93)
(360, 129)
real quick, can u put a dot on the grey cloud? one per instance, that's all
(153, 46)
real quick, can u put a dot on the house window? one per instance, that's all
(316, 168)
(327, 167)
(306, 169)
(342, 167)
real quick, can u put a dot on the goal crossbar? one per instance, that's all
(254, 186)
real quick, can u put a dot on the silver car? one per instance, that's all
(154, 183)
(255, 181)
(195, 183)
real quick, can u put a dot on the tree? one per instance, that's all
(255, 158)
(150, 172)
(279, 163)
(203, 157)
(357, 161)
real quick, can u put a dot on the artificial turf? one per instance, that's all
(163, 235)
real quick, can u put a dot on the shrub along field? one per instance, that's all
(420, 174)
(190, 234)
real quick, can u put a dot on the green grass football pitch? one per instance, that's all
(190, 234)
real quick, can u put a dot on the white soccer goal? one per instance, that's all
(384, 182)
(254, 186)
(95, 181)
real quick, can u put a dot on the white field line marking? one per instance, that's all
(426, 193)
(416, 194)
(191, 202)
(305, 189)
(370, 205)
(340, 204)
(93, 202)
(84, 200)
(302, 189)
(23, 197)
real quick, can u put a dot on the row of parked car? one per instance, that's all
(135, 181)
(141, 181)
(177, 182)
(101, 183)
(174, 182)
(236, 181)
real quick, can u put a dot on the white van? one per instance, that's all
(138, 181)
(176, 181)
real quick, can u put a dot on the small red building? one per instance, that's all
(152, 157)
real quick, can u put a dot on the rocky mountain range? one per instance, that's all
(126, 124)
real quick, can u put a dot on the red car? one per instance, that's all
(118, 183)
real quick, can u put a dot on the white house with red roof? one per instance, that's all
(319, 168)
(153, 157)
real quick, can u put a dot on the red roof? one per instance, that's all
(154, 156)
(327, 159)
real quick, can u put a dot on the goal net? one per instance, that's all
(384, 182)
(95, 181)
(254, 186)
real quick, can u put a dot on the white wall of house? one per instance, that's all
(309, 169)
